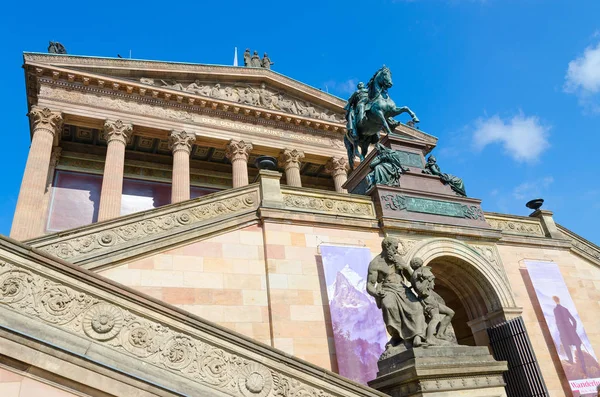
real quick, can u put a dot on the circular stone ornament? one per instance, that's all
(102, 321)
(255, 380)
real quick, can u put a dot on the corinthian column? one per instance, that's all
(338, 167)
(290, 160)
(29, 217)
(238, 152)
(181, 144)
(116, 134)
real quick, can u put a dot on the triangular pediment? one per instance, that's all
(256, 87)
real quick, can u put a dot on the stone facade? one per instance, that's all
(224, 294)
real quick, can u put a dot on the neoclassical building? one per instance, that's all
(149, 256)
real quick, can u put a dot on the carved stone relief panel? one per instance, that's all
(250, 95)
(56, 303)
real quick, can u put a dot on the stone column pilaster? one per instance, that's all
(290, 160)
(238, 152)
(180, 142)
(338, 168)
(29, 218)
(116, 133)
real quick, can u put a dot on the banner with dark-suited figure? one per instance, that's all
(570, 340)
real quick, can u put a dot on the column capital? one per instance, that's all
(117, 131)
(290, 158)
(238, 150)
(46, 119)
(337, 166)
(181, 140)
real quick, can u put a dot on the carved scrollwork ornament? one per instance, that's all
(60, 304)
(178, 352)
(15, 286)
(102, 321)
(255, 380)
(46, 119)
(142, 339)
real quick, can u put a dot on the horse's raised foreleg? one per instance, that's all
(404, 109)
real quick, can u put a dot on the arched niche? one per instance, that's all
(476, 289)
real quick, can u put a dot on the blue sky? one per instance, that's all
(510, 88)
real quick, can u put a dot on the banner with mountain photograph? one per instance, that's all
(358, 328)
(570, 339)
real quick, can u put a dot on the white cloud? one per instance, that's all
(523, 138)
(532, 189)
(341, 87)
(583, 73)
(583, 77)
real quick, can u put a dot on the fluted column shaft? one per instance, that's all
(238, 152)
(28, 221)
(338, 167)
(116, 134)
(290, 160)
(180, 142)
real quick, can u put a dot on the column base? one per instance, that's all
(448, 371)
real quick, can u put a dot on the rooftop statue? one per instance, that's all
(266, 62)
(255, 60)
(56, 48)
(247, 57)
(370, 110)
(455, 182)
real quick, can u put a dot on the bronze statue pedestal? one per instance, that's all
(417, 196)
(448, 371)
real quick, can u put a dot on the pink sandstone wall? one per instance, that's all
(221, 279)
(13, 384)
(583, 281)
(298, 295)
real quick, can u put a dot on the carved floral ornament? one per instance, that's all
(337, 166)
(44, 118)
(516, 227)
(117, 131)
(135, 231)
(291, 158)
(327, 205)
(33, 295)
(238, 150)
(181, 140)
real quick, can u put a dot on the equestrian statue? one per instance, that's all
(369, 110)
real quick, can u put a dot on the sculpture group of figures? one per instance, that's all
(369, 111)
(254, 61)
(413, 313)
(56, 48)
(250, 96)
(387, 168)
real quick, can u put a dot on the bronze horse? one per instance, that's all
(378, 114)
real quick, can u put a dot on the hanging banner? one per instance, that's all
(358, 328)
(570, 340)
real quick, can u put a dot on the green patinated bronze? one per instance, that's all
(455, 182)
(387, 167)
(368, 111)
(410, 159)
(397, 202)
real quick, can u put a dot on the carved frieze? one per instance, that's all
(139, 229)
(397, 202)
(260, 96)
(330, 205)
(189, 114)
(512, 226)
(36, 296)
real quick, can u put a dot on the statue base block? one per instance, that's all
(448, 371)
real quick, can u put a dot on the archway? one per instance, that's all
(471, 285)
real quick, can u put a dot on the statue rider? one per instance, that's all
(355, 109)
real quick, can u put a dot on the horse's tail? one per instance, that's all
(351, 148)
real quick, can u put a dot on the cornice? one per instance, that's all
(581, 246)
(162, 66)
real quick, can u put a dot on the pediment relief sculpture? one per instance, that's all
(249, 95)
